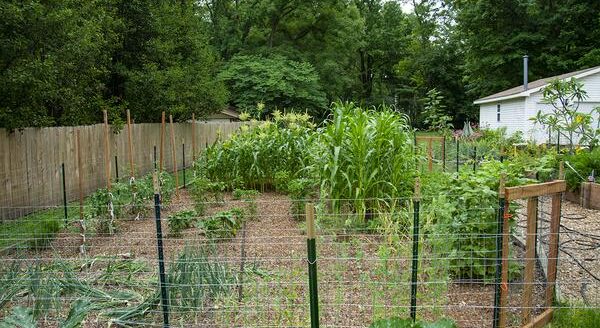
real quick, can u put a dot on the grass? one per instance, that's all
(568, 317)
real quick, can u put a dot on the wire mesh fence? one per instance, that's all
(240, 260)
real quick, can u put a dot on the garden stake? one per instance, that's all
(183, 153)
(64, 188)
(116, 168)
(415, 253)
(312, 265)
(130, 146)
(457, 156)
(161, 260)
(243, 256)
(193, 138)
(443, 153)
(173, 154)
(155, 157)
(80, 182)
(474, 158)
(498, 278)
(162, 141)
(106, 151)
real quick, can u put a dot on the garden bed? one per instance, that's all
(360, 280)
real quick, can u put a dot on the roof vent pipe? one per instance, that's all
(525, 71)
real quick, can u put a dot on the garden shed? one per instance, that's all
(514, 107)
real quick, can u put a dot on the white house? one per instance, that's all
(512, 108)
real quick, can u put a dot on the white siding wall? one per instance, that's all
(591, 84)
(511, 115)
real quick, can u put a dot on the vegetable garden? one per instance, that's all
(402, 231)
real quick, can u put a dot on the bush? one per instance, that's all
(463, 212)
(584, 162)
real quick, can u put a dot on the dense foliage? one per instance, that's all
(362, 155)
(252, 157)
(275, 83)
(62, 62)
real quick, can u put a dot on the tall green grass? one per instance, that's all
(364, 157)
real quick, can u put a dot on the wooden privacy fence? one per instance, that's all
(31, 159)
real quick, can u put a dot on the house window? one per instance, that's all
(498, 113)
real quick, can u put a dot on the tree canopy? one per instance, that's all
(64, 61)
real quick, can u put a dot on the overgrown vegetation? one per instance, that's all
(363, 156)
(251, 158)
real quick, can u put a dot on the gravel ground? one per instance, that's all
(578, 272)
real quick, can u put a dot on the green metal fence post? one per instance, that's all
(312, 265)
(498, 277)
(161, 258)
(457, 155)
(415, 251)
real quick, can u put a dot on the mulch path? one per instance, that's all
(357, 283)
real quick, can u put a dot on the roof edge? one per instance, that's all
(528, 92)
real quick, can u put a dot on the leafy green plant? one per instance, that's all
(281, 181)
(250, 158)
(43, 234)
(179, 221)
(434, 113)
(203, 191)
(196, 277)
(363, 156)
(223, 224)
(586, 163)
(463, 211)
(565, 317)
(300, 190)
(564, 97)
(249, 198)
(409, 323)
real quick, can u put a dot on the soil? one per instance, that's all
(358, 282)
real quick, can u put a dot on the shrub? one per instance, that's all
(463, 212)
(584, 162)
(300, 190)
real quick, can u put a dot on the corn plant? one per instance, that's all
(363, 156)
(251, 158)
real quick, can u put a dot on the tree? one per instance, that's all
(565, 117)
(54, 57)
(176, 68)
(275, 82)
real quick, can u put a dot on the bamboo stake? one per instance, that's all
(162, 142)
(132, 174)
(193, 138)
(80, 183)
(430, 154)
(173, 153)
(106, 150)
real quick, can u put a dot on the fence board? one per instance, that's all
(30, 159)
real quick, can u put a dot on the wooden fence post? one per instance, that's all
(174, 155)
